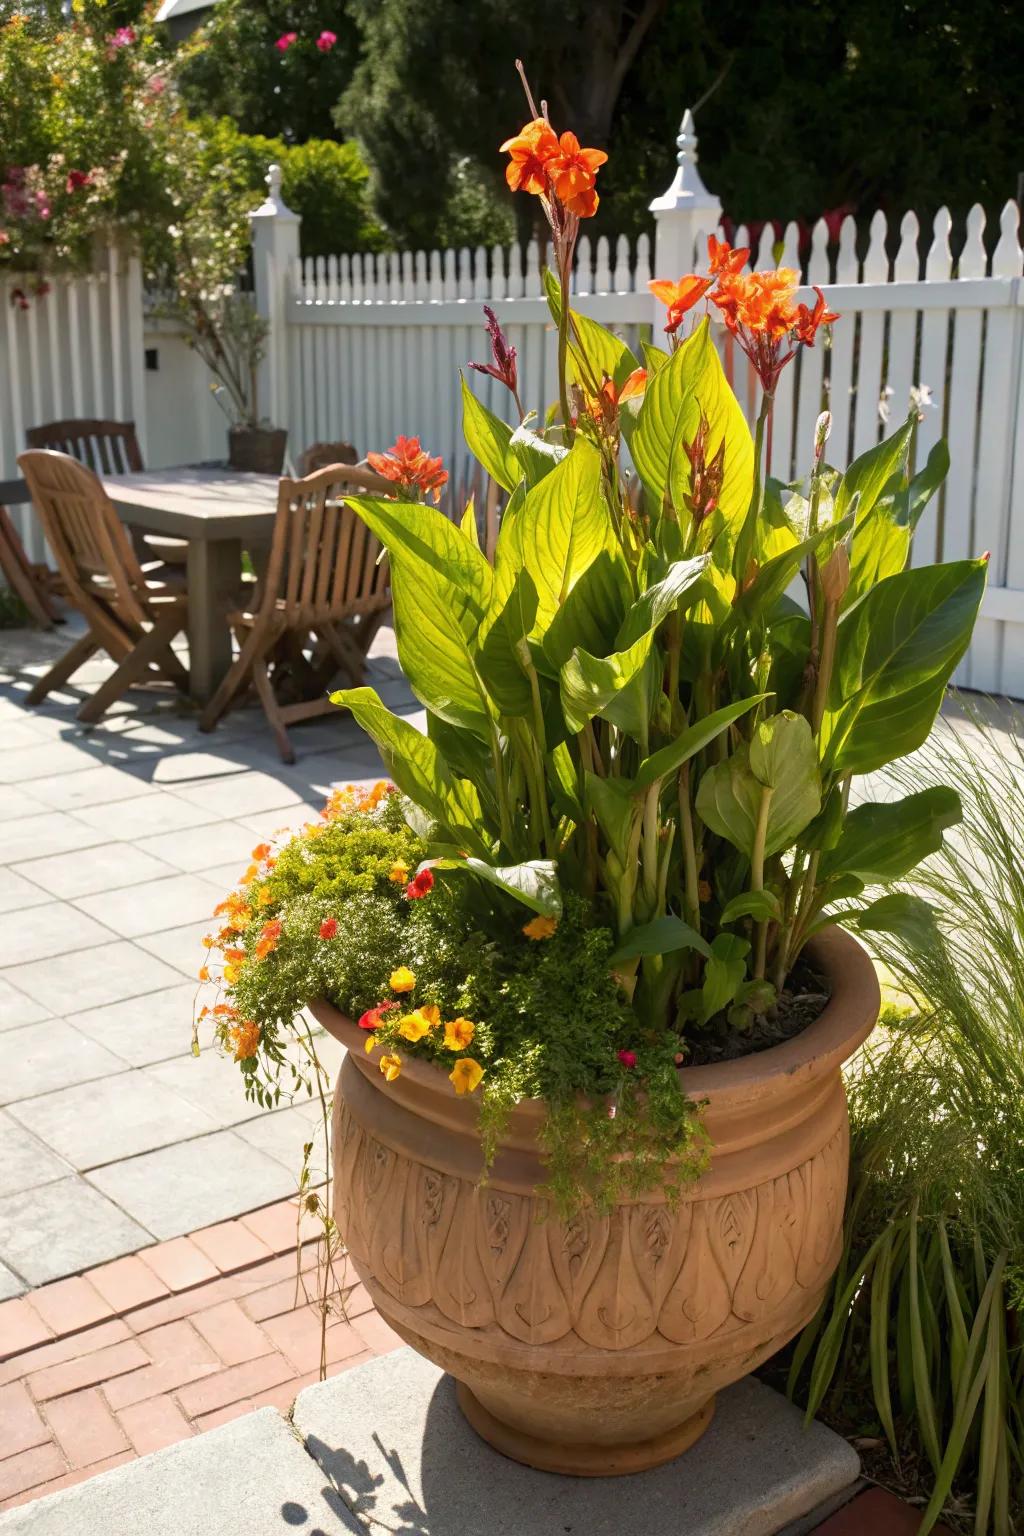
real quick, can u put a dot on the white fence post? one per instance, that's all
(684, 212)
(275, 252)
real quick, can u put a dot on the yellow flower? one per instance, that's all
(371, 1044)
(264, 898)
(458, 1033)
(413, 1026)
(232, 973)
(399, 872)
(466, 1075)
(249, 876)
(390, 1066)
(402, 980)
(540, 927)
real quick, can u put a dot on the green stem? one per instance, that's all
(564, 276)
(501, 791)
(650, 860)
(757, 878)
(747, 541)
(690, 873)
(829, 628)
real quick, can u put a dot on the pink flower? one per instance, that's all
(628, 1059)
(157, 86)
(123, 37)
(78, 179)
(285, 41)
(326, 41)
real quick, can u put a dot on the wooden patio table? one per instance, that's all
(218, 510)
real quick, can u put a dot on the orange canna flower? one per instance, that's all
(680, 296)
(572, 171)
(808, 320)
(407, 465)
(604, 407)
(723, 259)
(530, 151)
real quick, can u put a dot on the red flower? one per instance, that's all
(78, 179)
(406, 464)
(628, 1059)
(326, 41)
(285, 41)
(372, 1017)
(808, 320)
(504, 366)
(420, 885)
(328, 928)
(723, 259)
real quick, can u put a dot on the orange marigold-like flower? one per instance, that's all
(680, 296)
(244, 1039)
(399, 872)
(573, 171)
(422, 1021)
(261, 852)
(267, 941)
(407, 465)
(265, 897)
(540, 927)
(530, 150)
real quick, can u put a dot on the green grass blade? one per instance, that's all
(991, 1415)
(881, 1295)
(924, 1401)
(957, 1326)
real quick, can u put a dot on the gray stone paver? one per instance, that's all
(115, 844)
(194, 1184)
(145, 1029)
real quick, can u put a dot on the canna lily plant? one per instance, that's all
(658, 694)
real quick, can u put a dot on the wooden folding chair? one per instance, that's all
(325, 590)
(108, 448)
(34, 583)
(131, 618)
(320, 455)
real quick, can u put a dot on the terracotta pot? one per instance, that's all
(259, 450)
(596, 1347)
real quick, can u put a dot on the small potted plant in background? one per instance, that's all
(229, 334)
(590, 950)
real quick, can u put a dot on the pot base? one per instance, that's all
(582, 1460)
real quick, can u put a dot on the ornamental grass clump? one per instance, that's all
(628, 814)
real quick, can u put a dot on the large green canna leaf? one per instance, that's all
(434, 624)
(535, 883)
(895, 653)
(884, 841)
(661, 599)
(418, 768)
(489, 439)
(780, 759)
(661, 937)
(692, 741)
(559, 530)
(535, 456)
(411, 532)
(868, 476)
(592, 613)
(616, 806)
(588, 684)
(593, 350)
(499, 655)
(691, 383)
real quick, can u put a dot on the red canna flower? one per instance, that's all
(406, 464)
(573, 171)
(680, 297)
(808, 320)
(723, 259)
(328, 928)
(530, 150)
(420, 885)
(372, 1017)
(503, 367)
(628, 1059)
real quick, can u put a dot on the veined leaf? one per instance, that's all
(760, 905)
(489, 439)
(593, 349)
(433, 623)
(895, 653)
(867, 477)
(560, 529)
(564, 782)
(412, 531)
(926, 482)
(417, 767)
(592, 612)
(498, 659)
(616, 806)
(780, 760)
(535, 883)
(468, 523)
(693, 383)
(692, 741)
(535, 456)
(661, 599)
(660, 937)
(655, 358)
(884, 841)
(908, 916)
(588, 684)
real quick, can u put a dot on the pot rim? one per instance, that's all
(843, 1024)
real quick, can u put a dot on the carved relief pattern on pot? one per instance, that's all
(488, 1259)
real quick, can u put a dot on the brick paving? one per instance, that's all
(158, 1346)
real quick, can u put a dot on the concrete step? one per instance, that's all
(384, 1448)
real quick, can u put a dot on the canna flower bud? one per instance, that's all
(835, 575)
(822, 432)
(503, 367)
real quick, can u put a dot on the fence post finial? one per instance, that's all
(275, 255)
(685, 211)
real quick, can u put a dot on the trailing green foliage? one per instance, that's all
(924, 1315)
